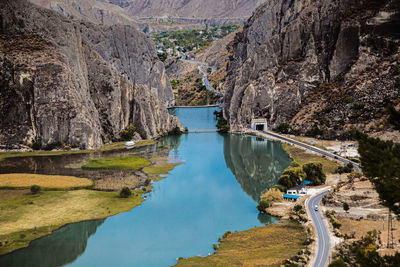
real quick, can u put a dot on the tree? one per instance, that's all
(284, 128)
(35, 189)
(268, 198)
(394, 117)
(314, 173)
(128, 134)
(125, 192)
(380, 162)
(291, 177)
(346, 206)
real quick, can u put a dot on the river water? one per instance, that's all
(216, 189)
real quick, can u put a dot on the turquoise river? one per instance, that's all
(216, 189)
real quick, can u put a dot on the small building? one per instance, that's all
(259, 124)
(297, 190)
(290, 197)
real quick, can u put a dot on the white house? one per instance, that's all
(297, 190)
(259, 124)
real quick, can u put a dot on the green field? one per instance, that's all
(119, 163)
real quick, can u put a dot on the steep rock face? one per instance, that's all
(95, 11)
(76, 83)
(299, 61)
(137, 12)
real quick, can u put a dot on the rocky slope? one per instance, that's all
(216, 12)
(95, 11)
(325, 67)
(162, 14)
(76, 83)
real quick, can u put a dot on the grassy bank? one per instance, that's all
(48, 182)
(25, 217)
(113, 146)
(161, 166)
(302, 157)
(119, 163)
(261, 246)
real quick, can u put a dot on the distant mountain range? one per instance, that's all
(149, 14)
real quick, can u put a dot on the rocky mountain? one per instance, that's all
(151, 15)
(228, 11)
(324, 66)
(76, 83)
(95, 11)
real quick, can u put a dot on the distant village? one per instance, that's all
(185, 43)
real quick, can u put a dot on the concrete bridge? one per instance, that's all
(203, 131)
(205, 106)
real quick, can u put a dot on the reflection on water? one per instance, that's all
(70, 164)
(215, 190)
(257, 163)
(61, 247)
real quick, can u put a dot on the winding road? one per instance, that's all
(323, 251)
(314, 149)
(322, 255)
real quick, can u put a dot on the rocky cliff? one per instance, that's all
(137, 12)
(95, 11)
(76, 83)
(324, 66)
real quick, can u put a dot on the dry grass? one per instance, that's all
(22, 212)
(160, 168)
(261, 246)
(303, 157)
(116, 183)
(24, 180)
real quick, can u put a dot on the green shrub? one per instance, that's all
(125, 192)
(128, 134)
(284, 128)
(358, 106)
(314, 173)
(346, 206)
(36, 146)
(147, 182)
(315, 131)
(337, 263)
(291, 177)
(227, 233)
(348, 168)
(394, 117)
(298, 207)
(35, 189)
(262, 205)
(54, 145)
(294, 164)
(222, 125)
(175, 131)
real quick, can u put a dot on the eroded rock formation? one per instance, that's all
(76, 83)
(323, 66)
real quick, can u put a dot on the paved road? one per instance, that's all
(322, 231)
(315, 149)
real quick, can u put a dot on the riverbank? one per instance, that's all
(268, 245)
(25, 216)
(109, 147)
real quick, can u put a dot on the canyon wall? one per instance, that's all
(324, 67)
(76, 83)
